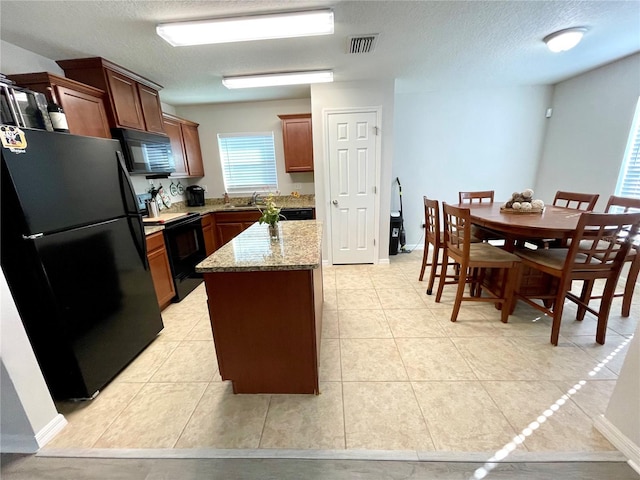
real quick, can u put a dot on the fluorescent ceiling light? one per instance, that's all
(241, 29)
(564, 40)
(275, 79)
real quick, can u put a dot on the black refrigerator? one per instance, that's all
(74, 254)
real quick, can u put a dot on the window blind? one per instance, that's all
(629, 183)
(248, 161)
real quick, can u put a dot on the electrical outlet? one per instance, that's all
(297, 187)
(205, 188)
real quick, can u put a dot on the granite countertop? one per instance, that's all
(153, 229)
(242, 204)
(298, 248)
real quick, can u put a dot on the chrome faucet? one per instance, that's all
(255, 198)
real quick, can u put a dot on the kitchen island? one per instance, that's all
(265, 306)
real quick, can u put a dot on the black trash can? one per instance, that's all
(394, 232)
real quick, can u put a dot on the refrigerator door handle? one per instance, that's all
(131, 204)
(126, 187)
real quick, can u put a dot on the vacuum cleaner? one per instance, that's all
(402, 238)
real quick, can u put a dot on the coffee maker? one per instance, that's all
(195, 196)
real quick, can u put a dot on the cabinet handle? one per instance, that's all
(335, 202)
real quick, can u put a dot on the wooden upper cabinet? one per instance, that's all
(133, 101)
(173, 129)
(192, 149)
(83, 104)
(151, 109)
(185, 146)
(298, 142)
(125, 101)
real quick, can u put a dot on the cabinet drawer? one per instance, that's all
(155, 241)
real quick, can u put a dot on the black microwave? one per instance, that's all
(145, 153)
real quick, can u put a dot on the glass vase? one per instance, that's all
(274, 231)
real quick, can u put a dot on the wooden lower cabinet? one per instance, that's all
(160, 269)
(230, 224)
(267, 350)
(209, 233)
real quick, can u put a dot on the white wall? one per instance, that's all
(28, 416)
(588, 132)
(14, 59)
(451, 140)
(348, 95)
(245, 117)
(623, 410)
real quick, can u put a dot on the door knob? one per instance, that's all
(335, 202)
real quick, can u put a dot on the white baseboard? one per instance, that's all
(619, 440)
(50, 430)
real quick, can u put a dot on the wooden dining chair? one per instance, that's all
(578, 201)
(597, 251)
(480, 234)
(617, 204)
(485, 196)
(473, 259)
(433, 240)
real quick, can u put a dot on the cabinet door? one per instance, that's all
(192, 149)
(174, 131)
(126, 102)
(228, 231)
(160, 269)
(209, 234)
(85, 113)
(298, 143)
(151, 109)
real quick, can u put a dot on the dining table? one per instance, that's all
(516, 228)
(552, 223)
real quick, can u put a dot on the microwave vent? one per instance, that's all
(363, 43)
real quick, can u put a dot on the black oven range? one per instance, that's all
(184, 242)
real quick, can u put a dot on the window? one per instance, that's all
(248, 161)
(629, 181)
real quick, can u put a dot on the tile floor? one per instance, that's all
(395, 374)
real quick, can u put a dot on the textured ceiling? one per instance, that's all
(424, 45)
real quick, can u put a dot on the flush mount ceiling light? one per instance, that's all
(242, 29)
(564, 40)
(275, 79)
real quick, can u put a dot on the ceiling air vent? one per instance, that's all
(362, 43)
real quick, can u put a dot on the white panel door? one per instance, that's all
(352, 170)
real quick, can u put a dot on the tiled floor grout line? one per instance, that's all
(195, 407)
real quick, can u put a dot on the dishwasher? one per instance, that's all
(297, 213)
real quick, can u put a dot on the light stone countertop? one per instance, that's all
(240, 204)
(298, 248)
(153, 229)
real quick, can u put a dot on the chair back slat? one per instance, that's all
(579, 201)
(485, 196)
(432, 221)
(602, 242)
(457, 229)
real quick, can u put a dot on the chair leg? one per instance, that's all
(558, 307)
(462, 282)
(443, 276)
(605, 307)
(587, 288)
(434, 267)
(508, 304)
(632, 276)
(425, 256)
